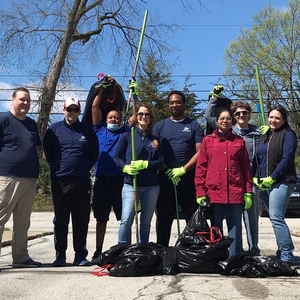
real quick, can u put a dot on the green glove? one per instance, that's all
(139, 164)
(130, 170)
(175, 180)
(133, 87)
(108, 80)
(217, 91)
(264, 129)
(202, 201)
(176, 172)
(248, 200)
(255, 181)
(266, 183)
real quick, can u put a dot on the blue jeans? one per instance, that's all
(147, 197)
(251, 222)
(276, 200)
(233, 215)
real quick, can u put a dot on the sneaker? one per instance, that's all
(59, 262)
(83, 263)
(95, 257)
(29, 263)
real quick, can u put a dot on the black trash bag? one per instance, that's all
(112, 99)
(203, 258)
(170, 261)
(197, 223)
(198, 220)
(138, 260)
(247, 264)
(201, 247)
(111, 255)
(221, 102)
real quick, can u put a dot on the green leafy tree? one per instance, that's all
(154, 81)
(273, 45)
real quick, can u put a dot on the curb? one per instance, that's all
(30, 237)
(295, 232)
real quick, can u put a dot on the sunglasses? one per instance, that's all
(141, 115)
(241, 113)
(75, 110)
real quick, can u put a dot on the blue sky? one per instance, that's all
(208, 32)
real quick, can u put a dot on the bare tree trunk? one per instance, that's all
(47, 96)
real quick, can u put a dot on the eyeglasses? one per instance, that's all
(178, 102)
(241, 113)
(225, 119)
(141, 115)
(75, 110)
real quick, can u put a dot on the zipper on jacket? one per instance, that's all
(267, 166)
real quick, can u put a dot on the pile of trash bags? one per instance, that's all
(199, 249)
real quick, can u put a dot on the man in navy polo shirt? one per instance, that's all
(180, 138)
(19, 170)
(71, 149)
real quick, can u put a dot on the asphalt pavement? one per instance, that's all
(74, 282)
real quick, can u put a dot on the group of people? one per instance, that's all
(235, 155)
(158, 165)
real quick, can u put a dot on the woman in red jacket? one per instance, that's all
(223, 178)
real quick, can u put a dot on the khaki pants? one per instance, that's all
(17, 195)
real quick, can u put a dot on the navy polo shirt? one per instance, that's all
(18, 142)
(71, 150)
(178, 140)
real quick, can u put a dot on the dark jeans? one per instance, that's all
(233, 216)
(71, 196)
(166, 205)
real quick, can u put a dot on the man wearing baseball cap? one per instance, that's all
(71, 149)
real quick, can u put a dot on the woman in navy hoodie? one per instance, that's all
(276, 176)
(149, 159)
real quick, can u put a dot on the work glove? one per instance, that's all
(175, 180)
(176, 172)
(130, 170)
(257, 181)
(248, 200)
(264, 129)
(133, 87)
(108, 80)
(202, 201)
(217, 91)
(139, 164)
(266, 183)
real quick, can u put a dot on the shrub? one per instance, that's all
(43, 199)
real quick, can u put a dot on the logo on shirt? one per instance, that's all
(82, 139)
(186, 129)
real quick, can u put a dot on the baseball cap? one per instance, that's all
(71, 100)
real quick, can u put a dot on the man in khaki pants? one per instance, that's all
(19, 170)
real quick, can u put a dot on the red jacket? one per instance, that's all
(223, 171)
